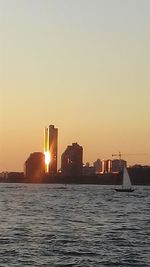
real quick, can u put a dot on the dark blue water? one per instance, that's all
(73, 225)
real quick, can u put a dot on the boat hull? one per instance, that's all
(124, 190)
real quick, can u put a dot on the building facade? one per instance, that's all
(53, 145)
(88, 170)
(50, 149)
(35, 166)
(117, 165)
(72, 160)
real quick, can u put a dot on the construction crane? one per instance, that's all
(121, 164)
(117, 155)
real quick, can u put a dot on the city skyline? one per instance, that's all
(73, 154)
(80, 65)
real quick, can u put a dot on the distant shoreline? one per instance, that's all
(139, 176)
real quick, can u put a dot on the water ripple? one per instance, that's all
(73, 225)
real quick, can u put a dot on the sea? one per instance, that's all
(73, 225)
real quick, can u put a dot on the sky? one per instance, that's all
(82, 65)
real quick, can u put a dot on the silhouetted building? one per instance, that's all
(35, 165)
(118, 165)
(108, 166)
(97, 166)
(15, 177)
(88, 170)
(46, 149)
(53, 139)
(50, 149)
(103, 166)
(72, 160)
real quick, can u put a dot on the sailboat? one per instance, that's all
(126, 185)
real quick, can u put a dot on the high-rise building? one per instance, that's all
(108, 165)
(50, 149)
(46, 149)
(118, 165)
(97, 166)
(72, 160)
(53, 143)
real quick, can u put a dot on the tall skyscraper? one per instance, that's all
(46, 149)
(53, 143)
(50, 149)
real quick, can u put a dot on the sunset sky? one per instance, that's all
(82, 65)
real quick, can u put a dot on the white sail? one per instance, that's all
(126, 179)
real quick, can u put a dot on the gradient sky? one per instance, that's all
(83, 65)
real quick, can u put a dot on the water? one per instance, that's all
(73, 225)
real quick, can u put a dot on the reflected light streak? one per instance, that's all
(47, 161)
